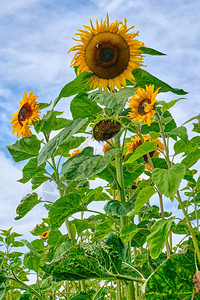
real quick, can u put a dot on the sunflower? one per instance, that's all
(142, 104)
(136, 142)
(76, 152)
(26, 115)
(106, 129)
(110, 52)
(45, 235)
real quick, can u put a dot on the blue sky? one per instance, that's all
(35, 36)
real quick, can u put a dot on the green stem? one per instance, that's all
(196, 247)
(119, 294)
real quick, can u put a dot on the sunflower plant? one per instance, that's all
(128, 250)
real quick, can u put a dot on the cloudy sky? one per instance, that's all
(35, 36)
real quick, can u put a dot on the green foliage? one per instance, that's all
(31, 169)
(143, 197)
(118, 208)
(168, 105)
(115, 102)
(168, 181)
(143, 149)
(158, 237)
(26, 204)
(143, 78)
(25, 148)
(61, 138)
(151, 51)
(81, 107)
(173, 279)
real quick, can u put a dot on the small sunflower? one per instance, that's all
(142, 104)
(26, 115)
(110, 52)
(45, 235)
(106, 129)
(136, 142)
(76, 152)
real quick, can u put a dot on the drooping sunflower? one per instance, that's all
(26, 115)
(106, 129)
(110, 52)
(142, 104)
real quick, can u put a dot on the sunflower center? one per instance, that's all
(107, 55)
(24, 113)
(142, 106)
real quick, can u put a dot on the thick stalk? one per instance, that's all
(122, 198)
(119, 294)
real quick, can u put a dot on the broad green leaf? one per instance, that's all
(17, 244)
(59, 139)
(85, 165)
(127, 232)
(79, 85)
(145, 148)
(173, 279)
(191, 158)
(81, 106)
(118, 208)
(98, 260)
(133, 233)
(103, 229)
(182, 146)
(37, 180)
(143, 78)
(41, 228)
(43, 105)
(24, 148)
(158, 237)
(143, 197)
(73, 143)
(64, 208)
(151, 51)
(159, 162)
(168, 105)
(154, 134)
(180, 228)
(32, 261)
(31, 169)
(95, 195)
(180, 132)
(26, 204)
(168, 181)
(113, 101)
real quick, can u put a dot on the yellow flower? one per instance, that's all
(26, 115)
(110, 52)
(106, 148)
(76, 152)
(142, 104)
(136, 142)
(44, 235)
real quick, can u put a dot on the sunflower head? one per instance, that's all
(26, 115)
(142, 104)
(75, 152)
(106, 129)
(109, 51)
(45, 235)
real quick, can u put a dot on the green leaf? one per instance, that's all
(44, 105)
(143, 197)
(26, 204)
(31, 169)
(64, 208)
(173, 279)
(54, 237)
(191, 158)
(118, 208)
(143, 78)
(24, 148)
(113, 101)
(159, 162)
(168, 181)
(158, 237)
(127, 232)
(85, 164)
(180, 132)
(151, 51)
(37, 180)
(81, 106)
(183, 146)
(79, 85)
(98, 260)
(32, 261)
(143, 149)
(41, 228)
(82, 296)
(135, 234)
(59, 139)
(73, 143)
(168, 105)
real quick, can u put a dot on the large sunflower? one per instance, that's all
(142, 104)
(26, 115)
(110, 52)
